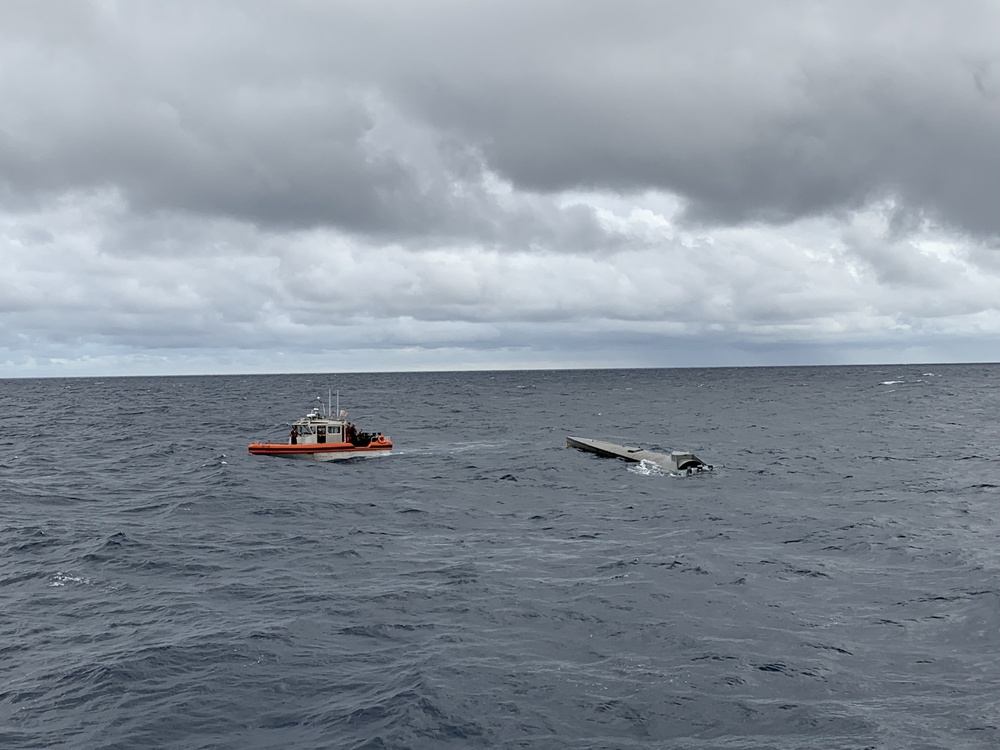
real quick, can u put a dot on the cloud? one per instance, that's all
(767, 111)
(294, 114)
(524, 183)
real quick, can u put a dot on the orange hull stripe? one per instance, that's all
(316, 447)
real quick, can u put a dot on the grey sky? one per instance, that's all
(240, 186)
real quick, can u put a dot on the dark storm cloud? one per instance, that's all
(392, 117)
(752, 111)
(277, 157)
(196, 107)
(252, 112)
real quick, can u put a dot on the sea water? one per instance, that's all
(833, 583)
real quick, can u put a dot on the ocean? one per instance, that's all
(834, 583)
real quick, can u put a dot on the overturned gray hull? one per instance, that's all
(676, 461)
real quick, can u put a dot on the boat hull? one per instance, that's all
(318, 451)
(677, 461)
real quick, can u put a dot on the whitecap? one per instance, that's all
(61, 579)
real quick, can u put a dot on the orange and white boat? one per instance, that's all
(325, 436)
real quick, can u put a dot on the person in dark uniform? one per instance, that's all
(293, 436)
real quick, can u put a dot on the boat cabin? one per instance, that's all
(315, 428)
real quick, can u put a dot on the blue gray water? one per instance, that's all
(833, 584)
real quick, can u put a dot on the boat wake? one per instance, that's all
(449, 448)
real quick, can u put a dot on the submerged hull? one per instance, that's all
(678, 461)
(319, 451)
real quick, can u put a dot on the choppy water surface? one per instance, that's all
(833, 584)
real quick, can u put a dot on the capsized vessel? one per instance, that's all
(325, 436)
(681, 462)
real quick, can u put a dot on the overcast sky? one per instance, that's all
(241, 186)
